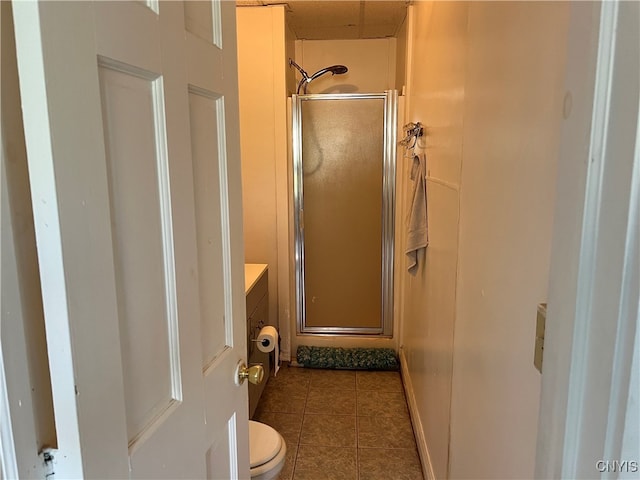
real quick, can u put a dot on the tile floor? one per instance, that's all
(341, 424)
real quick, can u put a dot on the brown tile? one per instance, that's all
(284, 367)
(287, 372)
(329, 430)
(331, 402)
(290, 386)
(281, 400)
(325, 463)
(288, 425)
(386, 404)
(382, 464)
(379, 381)
(290, 460)
(302, 370)
(385, 432)
(334, 379)
(290, 382)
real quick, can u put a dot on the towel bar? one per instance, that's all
(412, 132)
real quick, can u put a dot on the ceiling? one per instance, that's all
(327, 20)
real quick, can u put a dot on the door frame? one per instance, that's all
(592, 321)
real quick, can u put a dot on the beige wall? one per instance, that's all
(262, 76)
(508, 192)
(436, 98)
(371, 63)
(290, 46)
(401, 58)
(486, 80)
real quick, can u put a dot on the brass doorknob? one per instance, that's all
(254, 373)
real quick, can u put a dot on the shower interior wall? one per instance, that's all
(371, 63)
(265, 43)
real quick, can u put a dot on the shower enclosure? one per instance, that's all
(344, 148)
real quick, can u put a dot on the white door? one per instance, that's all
(131, 122)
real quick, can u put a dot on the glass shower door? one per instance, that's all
(343, 182)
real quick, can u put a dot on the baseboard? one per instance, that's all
(421, 441)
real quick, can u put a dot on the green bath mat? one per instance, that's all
(348, 358)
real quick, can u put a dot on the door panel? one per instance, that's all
(204, 112)
(219, 465)
(134, 125)
(134, 161)
(203, 20)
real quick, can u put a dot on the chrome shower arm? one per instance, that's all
(299, 68)
(305, 76)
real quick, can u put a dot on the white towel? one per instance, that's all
(417, 229)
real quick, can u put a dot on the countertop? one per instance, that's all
(252, 273)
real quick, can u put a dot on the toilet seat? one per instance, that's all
(267, 450)
(264, 443)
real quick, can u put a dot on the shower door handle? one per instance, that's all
(301, 219)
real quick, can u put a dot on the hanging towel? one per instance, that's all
(417, 230)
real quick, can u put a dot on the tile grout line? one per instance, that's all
(304, 412)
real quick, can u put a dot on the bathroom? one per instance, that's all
(493, 84)
(486, 81)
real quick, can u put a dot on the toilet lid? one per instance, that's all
(264, 443)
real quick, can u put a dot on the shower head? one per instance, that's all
(334, 69)
(306, 79)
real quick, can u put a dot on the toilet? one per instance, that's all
(267, 451)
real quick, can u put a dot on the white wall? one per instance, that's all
(486, 80)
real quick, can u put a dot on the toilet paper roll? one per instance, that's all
(267, 342)
(267, 339)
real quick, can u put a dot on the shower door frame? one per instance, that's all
(390, 99)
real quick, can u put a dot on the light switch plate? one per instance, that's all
(537, 355)
(541, 319)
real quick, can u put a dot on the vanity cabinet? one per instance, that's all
(257, 298)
